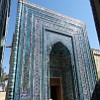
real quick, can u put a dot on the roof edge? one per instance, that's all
(55, 13)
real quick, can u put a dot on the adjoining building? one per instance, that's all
(50, 58)
(96, 93)
(4, 16)
(96, 54)
(95, 4)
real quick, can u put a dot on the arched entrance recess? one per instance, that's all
(61, 77)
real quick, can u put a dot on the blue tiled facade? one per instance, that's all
(38, 30)
(4, 15)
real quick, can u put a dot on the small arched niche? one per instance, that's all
(61, 77)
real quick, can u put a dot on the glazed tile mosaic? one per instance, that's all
(49, 50)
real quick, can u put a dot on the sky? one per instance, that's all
(78, 9)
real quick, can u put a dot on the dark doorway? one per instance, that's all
(54, 92)
(55, 87)
(61, 79)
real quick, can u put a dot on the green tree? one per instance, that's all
(3, 79)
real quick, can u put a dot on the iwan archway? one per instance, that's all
(50, 57)
(61, 77)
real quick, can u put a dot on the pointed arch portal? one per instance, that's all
(50, 57)
(61, 78)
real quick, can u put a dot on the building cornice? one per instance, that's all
(72, 20)
(21, 0)
(96, 52)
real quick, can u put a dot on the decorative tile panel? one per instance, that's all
(37, 31)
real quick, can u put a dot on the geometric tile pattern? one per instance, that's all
(37, 30)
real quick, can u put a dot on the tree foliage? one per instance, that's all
(4, 77)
